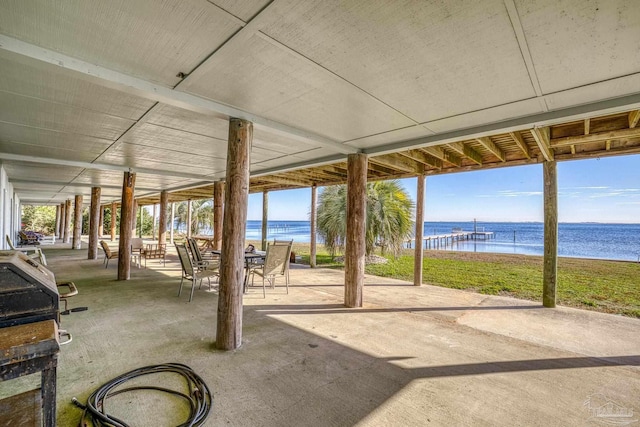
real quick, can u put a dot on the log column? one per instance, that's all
(356, 221)
(127, 219)
(56, 231)
(188, 218)
(77, 223)
(162, 221)
(67, 221)
(94, 222)
(101, 223)
(153, 222)
(218, 210)
(550, 272)
(265, 218)
(114, 216)
(134, 217)
(229, 320)
(419, 246)
(61, 225)
(312, 220)
(173, 215)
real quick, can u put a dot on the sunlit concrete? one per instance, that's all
(411, 356)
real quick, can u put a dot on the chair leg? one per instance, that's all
(264, 291)
(193, 286)
(180, 288)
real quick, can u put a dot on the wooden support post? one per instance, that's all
(134, 218)
(94, 223)
(114, 216)
(218, 210)
(314, 202)
(265, 218)
(61, 225)
(141, 216)
(67, 221)
(173, 215)
(229, 319)
(153, 222)
(57, 229)
(77, 223)
(162, 221)
(189, 218)
(101, 223)
(550, 272)
(356, 222)
(419, 251)
(127, 219)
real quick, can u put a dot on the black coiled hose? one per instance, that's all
(199, 397)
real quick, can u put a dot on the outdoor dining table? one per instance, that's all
(250, 259)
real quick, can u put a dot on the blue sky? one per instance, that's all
(598, 190)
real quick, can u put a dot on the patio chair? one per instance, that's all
(190, 271)
(274, 264)
(197, 254)
(28, 239)
(137, 247)
(108, 253)
(285, 267)
(36, 255)
(155, 251)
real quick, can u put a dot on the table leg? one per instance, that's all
(48, 384)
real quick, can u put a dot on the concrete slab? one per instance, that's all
(412, 356)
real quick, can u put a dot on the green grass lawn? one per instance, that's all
(607, 286)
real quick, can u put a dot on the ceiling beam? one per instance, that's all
(466, 151)
(634, 116)
(595, 137)
(446, 156)
(542, 137)
(285, 180)
(587, 126)
(396, 162)
(517, 138)
(491, 146)
(74, 184)
(423, 158)
(155, 92)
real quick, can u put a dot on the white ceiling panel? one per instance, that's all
(40, 172)
(243, 9)
(411, 132)
(279, 85)
(96, 177)
(177, 118)
(60, 117)
(154, 40)
(136, 156)
(30, 141)
(578, 42)
(158, 137)
(428, 59)
(49, 152)
(50, 83)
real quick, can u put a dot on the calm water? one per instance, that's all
(584, 240)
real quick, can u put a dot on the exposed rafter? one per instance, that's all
(423, 158)
(517, 138)
(491, 146)
(542, 136)
(634, 116)
(465, 150)
(587, 125)
(443, 155)
(396, 162)
(595, 137)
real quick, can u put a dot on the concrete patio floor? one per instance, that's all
(412, 356)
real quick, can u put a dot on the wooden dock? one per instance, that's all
(438, 241)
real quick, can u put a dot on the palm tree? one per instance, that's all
(201, 215)
(389, 210)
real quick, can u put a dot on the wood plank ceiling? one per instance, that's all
(90, 89)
